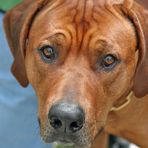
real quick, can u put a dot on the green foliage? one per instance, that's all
(8, 4)
(63, 146)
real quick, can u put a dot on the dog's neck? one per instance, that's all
(122, 104)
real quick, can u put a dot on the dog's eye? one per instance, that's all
(109, 61)
(48, 53)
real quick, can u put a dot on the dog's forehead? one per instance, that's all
(84, 12)
(81, 9)
(79, 20)
(75, 3)
(87, 2)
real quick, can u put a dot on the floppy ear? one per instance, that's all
(139, 17)
(17, 23)
(141, 77)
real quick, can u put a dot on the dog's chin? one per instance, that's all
(81, 139)
(78, 141)
(65, 144)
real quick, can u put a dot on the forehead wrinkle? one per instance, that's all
(82, 21)
(88, 20)
(78, 10)
(79, 19)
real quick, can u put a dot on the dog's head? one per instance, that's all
(81, 57)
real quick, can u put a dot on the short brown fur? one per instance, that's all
(83, 31)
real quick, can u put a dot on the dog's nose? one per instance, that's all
(68, 118)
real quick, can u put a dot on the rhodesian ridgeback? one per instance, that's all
(87, 61)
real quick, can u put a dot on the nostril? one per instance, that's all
(76, 126)
(66, 117)
(55, 122)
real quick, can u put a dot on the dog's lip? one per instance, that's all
(63, 138)
(64, 141)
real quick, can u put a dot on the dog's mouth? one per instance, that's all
(66, 123)
(59, 137)
(65, 145)
(77, 140)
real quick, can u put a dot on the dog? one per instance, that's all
(87, 61)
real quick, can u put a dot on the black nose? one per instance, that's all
(68, 118)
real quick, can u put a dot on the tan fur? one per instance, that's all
(83, 31)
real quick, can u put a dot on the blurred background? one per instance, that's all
(7, 4)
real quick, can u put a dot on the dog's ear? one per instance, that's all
(17, 23)
(139, 17)
(141, 77)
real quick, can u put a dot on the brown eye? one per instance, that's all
(109, 62)
(48, 53)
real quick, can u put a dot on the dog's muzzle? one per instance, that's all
(66, 124)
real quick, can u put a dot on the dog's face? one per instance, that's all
(80, 58)
(85, 59)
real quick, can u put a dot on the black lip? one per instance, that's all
(65, 139)
(39, 121)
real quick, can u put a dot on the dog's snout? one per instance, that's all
(68, 118)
